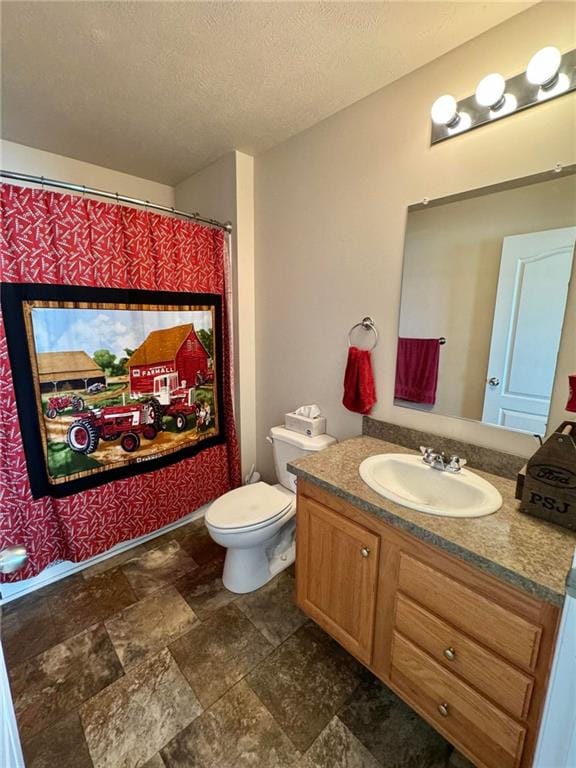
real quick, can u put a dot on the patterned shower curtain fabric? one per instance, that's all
(53, 239)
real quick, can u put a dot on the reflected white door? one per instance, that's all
(530, 304)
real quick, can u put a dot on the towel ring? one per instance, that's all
(368, 325)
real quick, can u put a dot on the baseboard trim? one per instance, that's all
(61, 570)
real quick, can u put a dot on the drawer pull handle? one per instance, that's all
(364, 551)
(450, 654)
(443, 709)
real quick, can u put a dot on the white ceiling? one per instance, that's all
(160, 89)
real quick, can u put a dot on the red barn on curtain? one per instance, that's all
(48, 237)
(172, 350)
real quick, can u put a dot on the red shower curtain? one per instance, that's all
(47, 237)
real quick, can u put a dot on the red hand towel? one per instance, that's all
(359, 389)
(417, 370)
(571, 404)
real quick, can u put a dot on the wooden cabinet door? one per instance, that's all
(336, 572)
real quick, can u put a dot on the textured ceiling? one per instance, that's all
(160, 89)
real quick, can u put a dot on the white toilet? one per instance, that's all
(256, 523)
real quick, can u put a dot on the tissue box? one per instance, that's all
(304, 425)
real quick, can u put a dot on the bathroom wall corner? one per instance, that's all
(224, 190)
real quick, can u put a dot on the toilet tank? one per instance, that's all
(288, 445)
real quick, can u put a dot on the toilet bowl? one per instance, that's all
(256, 523)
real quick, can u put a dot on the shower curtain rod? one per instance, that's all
(227, 226)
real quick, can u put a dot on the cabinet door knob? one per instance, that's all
(443, 709)
(450, 654)
(364, 551)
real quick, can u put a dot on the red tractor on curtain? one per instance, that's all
(175, 399)
(59, 403)
(126, 422)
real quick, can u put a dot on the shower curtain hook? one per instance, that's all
(42, 183)
(84, 190)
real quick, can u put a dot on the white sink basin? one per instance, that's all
(408, 481)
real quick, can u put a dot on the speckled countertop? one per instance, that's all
(525, 552)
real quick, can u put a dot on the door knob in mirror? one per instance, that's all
(494, 382)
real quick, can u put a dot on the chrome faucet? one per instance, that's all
(441, 461)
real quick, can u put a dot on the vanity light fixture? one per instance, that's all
(560, 85)
(543, 67)
(509, 104)
(463, 124)
(445, 111)
(549, 74)
(543, 71)
(490, 91)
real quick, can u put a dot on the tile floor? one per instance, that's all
(146, 660)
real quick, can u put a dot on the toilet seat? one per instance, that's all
(249, 507)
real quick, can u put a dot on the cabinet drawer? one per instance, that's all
(489, 674)
(505, 632)
(466, 717)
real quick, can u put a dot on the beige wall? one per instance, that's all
(224, 190)
(211, 190)
(246, 302)
(36, 162)
(450, 277)
(330, 215)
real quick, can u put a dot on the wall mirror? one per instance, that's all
(487, 326)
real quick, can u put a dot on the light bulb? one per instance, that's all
(445, 111)
(543, 66)
(490, 91)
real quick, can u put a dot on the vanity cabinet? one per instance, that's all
(338, 562)
(468, 652)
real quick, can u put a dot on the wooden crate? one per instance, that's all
(547, 484)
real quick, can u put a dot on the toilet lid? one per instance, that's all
(247, 506)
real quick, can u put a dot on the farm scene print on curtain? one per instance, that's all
(119, 387)
(54, 239)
